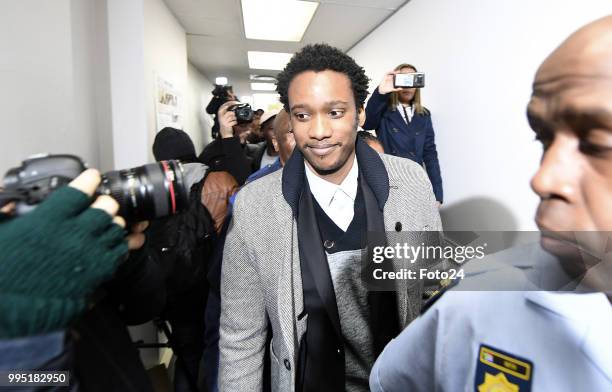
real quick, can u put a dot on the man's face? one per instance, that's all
(324, 120)
(267, 129)
(283, 139)
(571, 114)
(406, 95)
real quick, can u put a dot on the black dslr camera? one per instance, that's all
(244, 112)
(146, 192)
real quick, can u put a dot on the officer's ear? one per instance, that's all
(362, 116)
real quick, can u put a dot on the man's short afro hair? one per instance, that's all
(321, 57)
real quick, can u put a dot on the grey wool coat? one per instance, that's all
(261, 278)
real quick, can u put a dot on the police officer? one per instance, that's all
(536, 340)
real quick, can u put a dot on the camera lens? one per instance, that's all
(147, 192)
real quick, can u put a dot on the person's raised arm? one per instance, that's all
(379, 101)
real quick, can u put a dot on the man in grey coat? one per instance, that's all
(292, 260)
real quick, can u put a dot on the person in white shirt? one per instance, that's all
(269, 154)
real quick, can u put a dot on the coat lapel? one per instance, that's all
(397, 121)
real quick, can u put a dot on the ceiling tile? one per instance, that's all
(326, 26)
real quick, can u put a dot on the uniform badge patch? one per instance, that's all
(499, 371)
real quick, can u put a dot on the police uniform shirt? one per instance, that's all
(509, 340)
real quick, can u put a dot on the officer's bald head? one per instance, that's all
(586, 53)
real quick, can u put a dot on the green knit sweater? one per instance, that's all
(50, 261)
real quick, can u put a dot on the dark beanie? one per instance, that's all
(172, 143)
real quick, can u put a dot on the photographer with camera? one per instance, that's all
(402, 123)
(132, 292)
(221, 94)
(53, 259)
(184, 245)
(228, 153)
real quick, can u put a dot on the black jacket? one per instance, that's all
(255, 152)
(105, 356)
(227, 154)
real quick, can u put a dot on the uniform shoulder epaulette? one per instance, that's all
(436, 295)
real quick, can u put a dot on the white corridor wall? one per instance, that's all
(46, 71)
(166, 57)
(479, 57)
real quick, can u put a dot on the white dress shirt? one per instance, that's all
(407, 112)
(337, 201)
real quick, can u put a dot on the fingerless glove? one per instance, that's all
(51, 259)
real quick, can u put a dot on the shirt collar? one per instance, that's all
(324, 191)
(409, 109)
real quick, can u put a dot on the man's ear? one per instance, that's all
(362, 117)
(275, 144)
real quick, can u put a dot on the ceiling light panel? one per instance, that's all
(268, 60)
(263, 87)
(277, 20)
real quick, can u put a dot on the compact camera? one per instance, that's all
(244, 112)
(146, 192)
(409, 80)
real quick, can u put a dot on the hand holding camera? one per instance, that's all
(386, 85)
(58, 246)
(56, 255)
(231, 114)
(396, 81)
(88, 182)
(227, 119)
